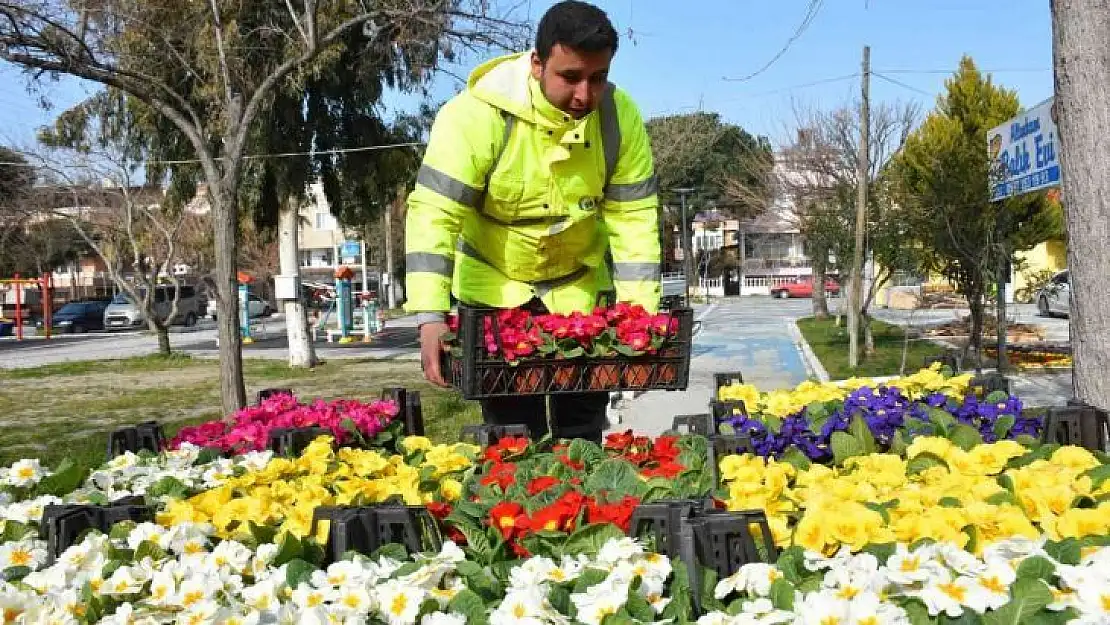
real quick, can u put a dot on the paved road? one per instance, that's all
(752, 335)
(1056, 329)
(397, 342)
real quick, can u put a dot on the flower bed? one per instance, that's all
(530, 500)
(285, 492)
(250, 428)
(968, 497)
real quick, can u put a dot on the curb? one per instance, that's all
(813, 365)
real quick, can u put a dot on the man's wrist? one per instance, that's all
(430, 317)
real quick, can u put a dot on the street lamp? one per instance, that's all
(687, 255)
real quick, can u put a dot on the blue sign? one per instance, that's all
(1025, 153)
(349, 249)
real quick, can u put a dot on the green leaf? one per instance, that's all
(1048, 617)
(65, 479)
(262, 533)
(782, 594)
(950, 502)
(586, 452)
(1037, 567)
(881, 509)
(898, 444)
(614, 476)
(14, 530)
(638, 607)
(965, 437)
(298, 571)
(470, 605)
(393, 551)
(773, 423)
(168, 486)
(289, 549)
(15, 573)
(1003, 498)
(942, 419)
(881, 551)
(589, 539)
(149, 549)
(862, 433)
(917, 612)
(680, 609)
(559, 598)
(973, 538)
(1067, 551)
(589, 577)
(207, 455)
(1084, 502)
(476, 542)
(922, 461)
(844, 446)
(1029, 597)
(1007, 482)
(792, 564)
(997, 397)
(1041, 452)
(796, 458)
(1003, 425)
(1098, 475)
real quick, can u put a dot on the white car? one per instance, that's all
(255, 306)
(1055, 298)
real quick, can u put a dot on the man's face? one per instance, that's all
(573, 81)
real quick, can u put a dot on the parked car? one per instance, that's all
(255, 307)
(802, 286)
(78, 317)
(1055, 297)
(124, 313)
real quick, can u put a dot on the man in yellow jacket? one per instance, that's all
(537, 189)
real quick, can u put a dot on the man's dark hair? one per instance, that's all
(577, 25)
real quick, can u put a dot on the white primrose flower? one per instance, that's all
(960, 561)
(870, 608)
(262, 596)
(1014, 548)
(443, 595)
(341, 573)
(194, 590)
(200, 613)
(600, 600)
(532, 572)
(821, 608)
(230, 554)
(147, 532)
(991, 588)
(29, 511)
(617, 550)
(522, 605)
(1092, 599)
(717, 618)
(24, 473)
(948, 596)
(398, 603)
(305, 596)
(233, 616)
(255, 460)
(762, 611)
(443, 618)
(908, 568)
(122, 582)
(754, 579)
(353, 601)
(14, 604)
(29, 553)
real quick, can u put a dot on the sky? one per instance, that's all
(675, 55)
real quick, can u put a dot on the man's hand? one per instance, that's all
(431, 348)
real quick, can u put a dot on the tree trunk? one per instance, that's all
(1081, 29)
(868, 335)
(163, 332)
(853, 319)
(301, 351)
(975, 340)
(233, 393)
(820, 302)
(1000, 314)
(390, 299)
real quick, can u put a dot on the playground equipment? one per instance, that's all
(13, 290)
(347, 310)
(244, 306)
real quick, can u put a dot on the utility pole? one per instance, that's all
(687, 253)
(863, 175)
(387, 283)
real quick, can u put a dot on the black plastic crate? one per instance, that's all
(478, 375)
(947, 359)
(1078, 424)
(63, 525)
(365, 529)
(722, 410)
(291, 442)
(987, 383)
(147, 435)
(267, 393)
(486, 434)
(694, 424)
(727, 378)
(410, 408)
(660, 522)
(722, 542)
(721, 445)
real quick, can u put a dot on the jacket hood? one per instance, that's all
(505, 83)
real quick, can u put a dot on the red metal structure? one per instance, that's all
(45, 284)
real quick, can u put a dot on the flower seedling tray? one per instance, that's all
(1079, 424)
(290, 442)
(485, 435)
(702, 424)
(146, 435)
(409, 406)
(479, 375)
(727, 379)
(63, 525)
(365, 529)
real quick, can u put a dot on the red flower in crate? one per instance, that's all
(618, 513)
(574, 464)
(560, 516)
(542, 483)
(639, 451)
(618, 441)
(665, 449)
(506, 448)
(666, 469)
(509, 519)
(502, 474)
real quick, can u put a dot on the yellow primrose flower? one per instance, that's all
(936, 445)
(1074, 458)
(413, 444)
(450, 489)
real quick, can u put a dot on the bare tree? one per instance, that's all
(127, 225)
(817, 173)
(1081, 29)
(205, 70)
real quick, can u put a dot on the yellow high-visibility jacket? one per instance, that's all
(516, 199)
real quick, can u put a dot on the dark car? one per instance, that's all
(79, 317)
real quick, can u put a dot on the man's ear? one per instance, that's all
(537, 66)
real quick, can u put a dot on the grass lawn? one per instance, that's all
(830, 345)
(66, 410)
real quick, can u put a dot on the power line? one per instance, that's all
(368, 148)
(902, 84)
(803, 85)
(1012, 70)
(811, 14)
